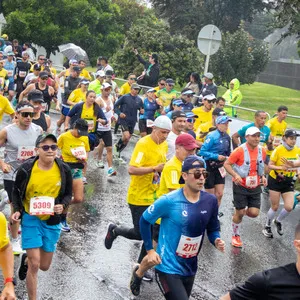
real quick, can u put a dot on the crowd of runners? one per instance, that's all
(177, 168)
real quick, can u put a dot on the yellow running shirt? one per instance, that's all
(4, 239)
(85, 73)
(170, 176)
(88, 115)
(69, 144)
(42, 183)
(203, 116)
(77, 96)
(142, 190)
(277, 130)
(166, 97)
(125, 89)
(3, 77)
(5, 107)
(280, 152)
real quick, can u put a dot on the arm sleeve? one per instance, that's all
(145, 229)
(74, 110)
(153, 76)
(205, 150)
(117, 105)
(142, 61)
(213, 226)
(253, 288)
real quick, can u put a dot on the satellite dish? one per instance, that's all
(209, 41)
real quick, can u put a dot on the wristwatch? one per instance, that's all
(10, 279)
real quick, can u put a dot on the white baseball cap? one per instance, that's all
(163, 122)
(252, 130)
(100, 73)
(105, 85)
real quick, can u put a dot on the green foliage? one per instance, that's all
(260, 27)
(90, 24)
(177, 55)
(240, 56)
(189, 16)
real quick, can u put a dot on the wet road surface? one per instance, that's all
(83, 268)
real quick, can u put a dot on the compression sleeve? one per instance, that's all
(145, 229)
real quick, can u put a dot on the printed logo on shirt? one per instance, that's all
(139, 157)
(58, 183)
(174, 177)
(151, 209)
(203, 212)
(184, 213)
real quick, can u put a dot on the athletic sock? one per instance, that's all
(235, 229)
(119, 144)
(270, 216)
(284, 213)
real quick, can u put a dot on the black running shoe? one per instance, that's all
(135, 282)
(267, 231)
(278, 227)
(110, 236)
(148, 276)
(23, 267)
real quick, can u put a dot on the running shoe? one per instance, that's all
(23, 267)
(266, 190)
(65, 226)
(267, 231)
(135, 282)
(16, 246)
(110, 236)
(148, 276)
(100, 164)
(122, 161)
(296, 201)
(236, 241)
(278, 227)
(84, 180)
(3, 198)
(220, 214)
(111, 172)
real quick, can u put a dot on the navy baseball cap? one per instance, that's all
(188, 164)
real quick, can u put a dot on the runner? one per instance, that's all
(246, 165)
(97, 83)
(168, 93)
(115, 89)
(79, 94)
(40, 206)
(4, 80)
(10, 66)
(175, 105)
(126, 108)
(84, 73)
(281, 181)
(19, 142)
(36, 99)
(151, 106)
(32, 77)
(204, 112)
(185, 216)
(105, 101)
(186, 97)
(189, 124)
(146, 164)
(126, 87)
(6, 262)
(74, 145)
(279, 283)
(215, 150)
(6, 108)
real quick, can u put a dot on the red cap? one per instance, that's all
(187, 141)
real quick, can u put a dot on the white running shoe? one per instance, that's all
(3, 198)
(16, 246)
(100, 164)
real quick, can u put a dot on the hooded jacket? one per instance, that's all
(2, 44)
(233, 97)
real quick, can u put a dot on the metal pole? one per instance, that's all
(206, 62)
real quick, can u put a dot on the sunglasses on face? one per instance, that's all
(170, 84)
(163, 84)
(137, 89)
(189, 96)
(27, 114)
(42, 58)
(211, 101)
(197, 174)
(44, 78)
(48, 147)
(190, 120)
(134, 79)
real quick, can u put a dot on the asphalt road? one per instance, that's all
(83, 269)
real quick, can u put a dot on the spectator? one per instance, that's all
(195, 85)
(233, 96)
(209, 84)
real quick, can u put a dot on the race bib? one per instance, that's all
(251, 182)
(24, 152)
(10, 73)
(22, 73)
(149, 123)
(79, 152)
(277, 141)
(188, 247)
(222, 172)
(42, 205)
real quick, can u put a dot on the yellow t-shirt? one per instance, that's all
(4, 238)
(53, 71)
(125, 89)
(5, 107)
(170, 176)
(166, 97)
(37, 185)
(77, 96)
(277, 130)
(280, 152)
(3, 77)
(142, 190)
(203, 116)
(203, 128)
(85, 73)
(69, 143)
(88, 115)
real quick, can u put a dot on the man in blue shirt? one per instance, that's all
(185, 216)
(259, 122)
(186, 97)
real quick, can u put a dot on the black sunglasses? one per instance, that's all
(163, 84)
(27, 114)
(44, 78)
(197, 174)
(190, 120)
(48, 147)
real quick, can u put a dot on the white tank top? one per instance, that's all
(108, 114)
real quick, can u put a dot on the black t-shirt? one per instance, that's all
(282, 283)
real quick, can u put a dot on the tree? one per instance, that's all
(177, 55)
(91, 24)
(240, 56)
(189, 16)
